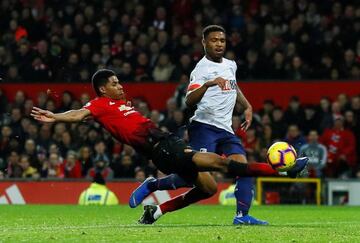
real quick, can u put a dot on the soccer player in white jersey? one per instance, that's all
(210, 127)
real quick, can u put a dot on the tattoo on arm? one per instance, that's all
(241, 99)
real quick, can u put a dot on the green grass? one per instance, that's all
(193, 224)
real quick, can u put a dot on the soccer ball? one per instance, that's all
(281, 156)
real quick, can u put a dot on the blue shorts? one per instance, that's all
(204, 137)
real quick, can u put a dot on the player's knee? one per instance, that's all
(212, 190)
(209, 191)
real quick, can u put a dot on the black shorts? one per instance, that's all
(169, 157)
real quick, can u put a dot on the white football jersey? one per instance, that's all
(217, 105)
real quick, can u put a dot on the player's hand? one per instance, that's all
(248, 119)
(218, 81)
(42, 115)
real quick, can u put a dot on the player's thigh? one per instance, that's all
(206, 183)
(232, 148)
(172, 155)
(201, 137)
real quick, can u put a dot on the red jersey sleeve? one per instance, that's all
(94, 106)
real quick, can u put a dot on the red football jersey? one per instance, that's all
(122, 121)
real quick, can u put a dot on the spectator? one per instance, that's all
(27, 170)
(278, 67)
(341, 146)
(66, 101)
(70, 73)
(142, 71)
(311, 120)
(85, 158)
(160, 22)
(317, 154)
(66, 143)
(14, 169)
(59, 129)
(139, 174)
(278, 124)
(344, 102)
(5, 137)
(100, 152)
(28, 105)
(127, 73)
(128, 54)
(101, 167)
(13, 75)
(324, 70)
(268, 107)
(266, 138)
(294, 114)
(324, 114)
(154, 53)
(253, 68)
(297, 70)
(31, 153)
(251, 142)
(294, 137)
(175, 122)
(349, 62)
(126, 167)
(44, 140)
(71, 167)
(52, 167)
(163, 68)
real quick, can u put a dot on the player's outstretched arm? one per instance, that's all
(194, 96)
(68, 116)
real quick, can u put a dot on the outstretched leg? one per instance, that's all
(214, 162)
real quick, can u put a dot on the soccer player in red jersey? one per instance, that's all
(168, 152)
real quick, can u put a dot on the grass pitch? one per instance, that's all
(192, 224)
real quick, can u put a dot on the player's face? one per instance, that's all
(113, 89)
(215, 44)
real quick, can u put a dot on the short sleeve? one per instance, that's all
(94, 107)
(197, 79)
(234, 65)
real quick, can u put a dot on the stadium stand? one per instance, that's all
(160, 41)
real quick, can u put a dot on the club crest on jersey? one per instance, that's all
(125, 108)
(129, 110)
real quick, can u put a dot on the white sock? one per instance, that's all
(157, 213)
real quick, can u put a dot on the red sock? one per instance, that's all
(261, 169)
(251, 169)
(183, 200)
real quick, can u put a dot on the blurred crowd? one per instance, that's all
(327, 132)
(160, 40)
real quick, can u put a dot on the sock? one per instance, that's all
(243, 194)
(158, 213)
(252, 169)
(183, 200)
(170, 182)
